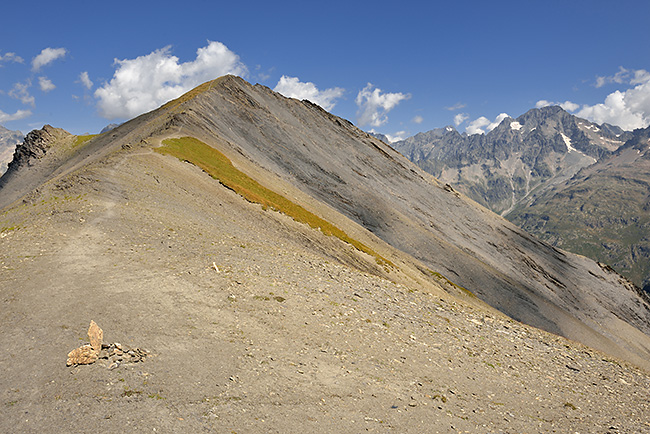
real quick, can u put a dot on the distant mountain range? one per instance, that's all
(603, 212)
(575, 184)
(517, 160)
(8, 141)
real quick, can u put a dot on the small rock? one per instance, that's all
(96, 336)
(82, 356)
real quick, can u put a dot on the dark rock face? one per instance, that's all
(516, 160)
(8, 142)
(35, 146)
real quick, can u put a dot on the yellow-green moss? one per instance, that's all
(219, 167)
(442, 279)
(81, 140)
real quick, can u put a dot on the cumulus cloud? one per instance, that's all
(10, 57)
(483, 124)
(46, 84)
(85, 80)
(47, 56)
(629, 109)
(566, 105)
(20, 114)
(292, 87)
(20, 91)
(400, 135)
(417, 120)
(374, 105)
(146, 82)
(460, 118)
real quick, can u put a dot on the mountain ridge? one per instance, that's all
(268, 134)
(255, 320)
(517, 159)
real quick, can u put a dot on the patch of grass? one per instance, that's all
(446, 281)
(131, 392)
(81, 140)
(220, 168)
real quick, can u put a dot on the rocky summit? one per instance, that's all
(287, 272)
(515, 161)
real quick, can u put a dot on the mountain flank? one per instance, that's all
(603, 212)
(255, 321)
(572, 183)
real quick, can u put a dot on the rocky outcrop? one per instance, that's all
(518, 159)
(8, 142)
(34, 159)
(35, 146)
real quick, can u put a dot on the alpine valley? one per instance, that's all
(258, 264)
(572, 183)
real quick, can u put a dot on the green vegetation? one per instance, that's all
(131, 392)
(81, 140)
(444, 281)
(220, 168)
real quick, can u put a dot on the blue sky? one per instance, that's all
(393, 67)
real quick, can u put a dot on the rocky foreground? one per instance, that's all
(255, 323)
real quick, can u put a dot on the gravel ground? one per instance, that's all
(255, 323)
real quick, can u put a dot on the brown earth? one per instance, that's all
(256, 323)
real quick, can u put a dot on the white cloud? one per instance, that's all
(629, 109)
(85, 80)
(457, 106)
(460, 118)
(477, 125)
(400, 135)
(374, 106)
(566, 105)
(11, 57)
(640, 76)
(292, 87)
(417, 120)
(146, 82)
(47, 56)
(20, 114)
(46, 84)
(20, 91)
(620, 77)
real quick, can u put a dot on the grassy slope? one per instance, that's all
(219, 167)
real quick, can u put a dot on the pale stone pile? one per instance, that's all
(115, 353)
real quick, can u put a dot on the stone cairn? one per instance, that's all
(114, 353)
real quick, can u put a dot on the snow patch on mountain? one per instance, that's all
(569, 148)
